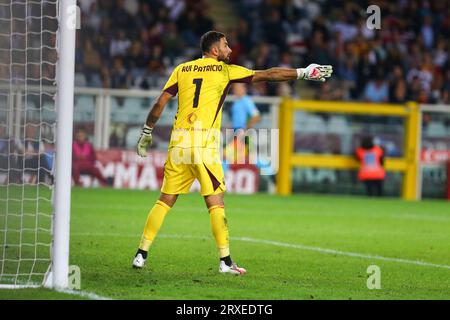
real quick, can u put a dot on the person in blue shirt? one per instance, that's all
(377, 90)
(244, 114)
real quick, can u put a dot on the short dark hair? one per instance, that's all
(209, 38)
(367, 142)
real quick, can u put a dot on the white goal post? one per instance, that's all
(37, 54)
(63, 176)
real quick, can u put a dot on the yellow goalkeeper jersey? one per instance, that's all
(202, 86)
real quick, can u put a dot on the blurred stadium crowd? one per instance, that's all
(136, 44)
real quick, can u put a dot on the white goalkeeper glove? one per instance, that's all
(315, 72)
(145, 140)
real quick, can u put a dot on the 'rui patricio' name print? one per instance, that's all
(195, 68)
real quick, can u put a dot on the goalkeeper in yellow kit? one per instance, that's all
(202, 86)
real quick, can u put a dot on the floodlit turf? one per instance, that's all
(281, 241)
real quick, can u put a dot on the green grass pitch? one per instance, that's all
(296, 247)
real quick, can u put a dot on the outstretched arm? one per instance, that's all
(145, 138)
(275, 74)
(157, 109)
(313, 72)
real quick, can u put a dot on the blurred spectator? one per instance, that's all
(136, 60)
(398, 92)
(319, 49)
(155, 68)
(32, 157)
(261, 54)
(131, 6)
(171, 44)
(91, 14)
(86, 5)
(330, 91)
(244, 37)
(116, 138)
(83, 159)
(376, 90)
(9, 157)
(235, 46)
(259, 89)
(427, 32)
(119, 44)
(92, 64)
(347, 73)
(445, 97)
(344, 26)
(440, 55)
(176, 7)
(118, 75)
(273, 29)
(144, 16)
(119, 14)
(415, 88)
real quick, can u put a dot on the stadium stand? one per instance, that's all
(139, 43)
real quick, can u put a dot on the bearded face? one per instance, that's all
(224, 51)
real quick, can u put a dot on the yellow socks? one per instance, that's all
(218, 220)
(219, 229)
(154, 221)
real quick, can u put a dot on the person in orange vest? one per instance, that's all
(371, 171)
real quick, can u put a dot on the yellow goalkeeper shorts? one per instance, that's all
(184, 165)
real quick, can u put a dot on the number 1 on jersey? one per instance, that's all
(198, 85)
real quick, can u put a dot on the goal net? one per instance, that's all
(28, 61)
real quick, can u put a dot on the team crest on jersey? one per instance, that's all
(192, 117)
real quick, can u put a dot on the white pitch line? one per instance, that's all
(344, 253)
(19, 286)
(289, 245)
(84, 294)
